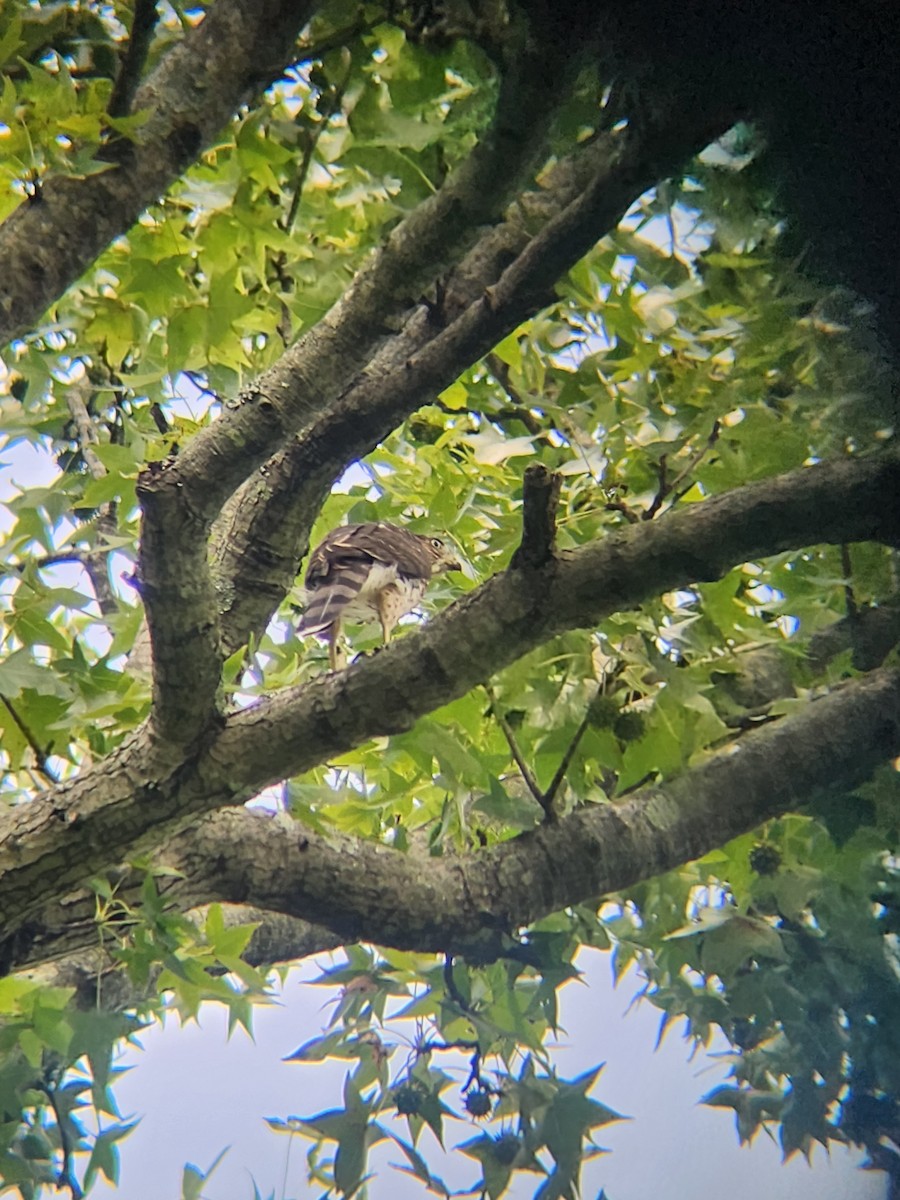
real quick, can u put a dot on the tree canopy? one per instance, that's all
(516, 278)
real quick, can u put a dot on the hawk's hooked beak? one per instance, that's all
(450, 560)
(459, 563)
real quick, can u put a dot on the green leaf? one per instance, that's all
(193, 1179)
(105, 1154)
(419, 1169)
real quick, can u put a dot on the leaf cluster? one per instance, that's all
(679, 359)
(416, 1029)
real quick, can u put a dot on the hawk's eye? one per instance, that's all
(437, 543)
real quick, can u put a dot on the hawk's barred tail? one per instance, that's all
(328, 603)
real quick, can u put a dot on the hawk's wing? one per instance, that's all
(340, 567)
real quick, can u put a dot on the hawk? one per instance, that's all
(371, 570)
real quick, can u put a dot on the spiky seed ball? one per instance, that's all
(506, 1147)
(764, 859)
(629, 726)
(603, 712)
(479, 1103)
(408, 1099)
(745, 1034)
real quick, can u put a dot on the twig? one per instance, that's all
(336, 41)
(544, 798)
(475, 1077)
(556, 781)
(142, 27)
(667, 488)
(60, 558)
(96, 567)
(506, 729)
(94, 561)
(520, 410)
(456, 1044)
(620, 506)
(84, 426)
(41, 756)
(847, 570)
(475, 1074)
(159, 418)
(335, 101)
(540, 496)
(498, 416)
(662, 487)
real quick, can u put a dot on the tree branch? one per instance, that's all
(524, 769)
(669, 487)
(540, 496)
(94, 561)
(871, 633)
(173, 580)
(147, 789)
(41, 755)
(143, 23)
(363, 891)
(559, 776)
(63, 945)
(519, 411)
(506, 276)
(84, 426)
(335, 100)
(324, 364)
(354, 887)
(238, 49)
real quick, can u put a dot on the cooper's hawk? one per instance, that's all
(371, 570)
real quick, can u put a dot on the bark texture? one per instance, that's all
(226, 522)
(329, 890)
(152, 789)
(236, 51)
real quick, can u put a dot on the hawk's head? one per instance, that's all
(443, 557)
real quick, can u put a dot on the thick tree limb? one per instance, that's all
(145, 791)
(326, 361)
(516, 611)
(362, 891)
(236, 51)
(368, 892)
(508, 274)
(181, 498)
(174, 582)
